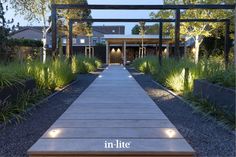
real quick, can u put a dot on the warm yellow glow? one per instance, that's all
(193, 50)
(165, 51)
(54, 133)
(113, 50)
(170, 133)
(118, 50)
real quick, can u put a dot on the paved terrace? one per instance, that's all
(113, 116)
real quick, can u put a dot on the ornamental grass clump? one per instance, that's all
(82, 64)
(179, 75)
(51, 75)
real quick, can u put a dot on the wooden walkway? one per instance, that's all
(114, 116)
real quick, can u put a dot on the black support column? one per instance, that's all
(160, 42)
(54, 28)
(70, 38)
(177, 32)
(226, 48)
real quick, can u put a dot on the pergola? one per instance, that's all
(133, 40)
(177, 20)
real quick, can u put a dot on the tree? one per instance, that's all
(150, 29)
(135, 29)
(66, 14)
(89, 34)
(196, 30)
(4, 31)
(37, 10)
(142, 33)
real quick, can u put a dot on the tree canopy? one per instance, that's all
(196, 30)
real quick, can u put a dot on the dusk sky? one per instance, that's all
(102, 14)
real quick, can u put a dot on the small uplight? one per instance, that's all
(107, 68)
(54, 133)
(124, 68)
(100, 76)
(130, 76)
(170, 133)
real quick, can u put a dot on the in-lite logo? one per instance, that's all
(117, 144)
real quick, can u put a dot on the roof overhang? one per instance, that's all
(136, 39)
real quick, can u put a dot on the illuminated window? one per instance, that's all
(74, 40)
(82, 41)
(64, 41)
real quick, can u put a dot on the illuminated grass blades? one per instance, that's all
(49, 76)
(180, 75)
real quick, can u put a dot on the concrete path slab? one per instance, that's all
(113, 117)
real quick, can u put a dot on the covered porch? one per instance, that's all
(124, 49)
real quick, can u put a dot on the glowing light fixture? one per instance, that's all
(170, 133)
(165, 51)
(130, 76)
(193, 50)
(118, 50)
(113, 50)
(100, 76)
(54, 133)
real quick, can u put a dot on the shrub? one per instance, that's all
(53, 74)
(82, 64)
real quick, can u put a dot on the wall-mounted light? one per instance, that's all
(113, 50)
(118, 50)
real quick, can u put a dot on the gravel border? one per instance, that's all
(207, 137)
(16, 139)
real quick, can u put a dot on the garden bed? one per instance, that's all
(223, 98)
(10, 93)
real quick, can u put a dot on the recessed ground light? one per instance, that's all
(130, 76)
(170, 133)
(54, 133)
(124, 68)
(100, 76)
(107, 68)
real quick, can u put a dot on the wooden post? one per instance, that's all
(226, 48)
(177, 32)
(124, 60)
(160, 43)
(107, 53)
(54, 28)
